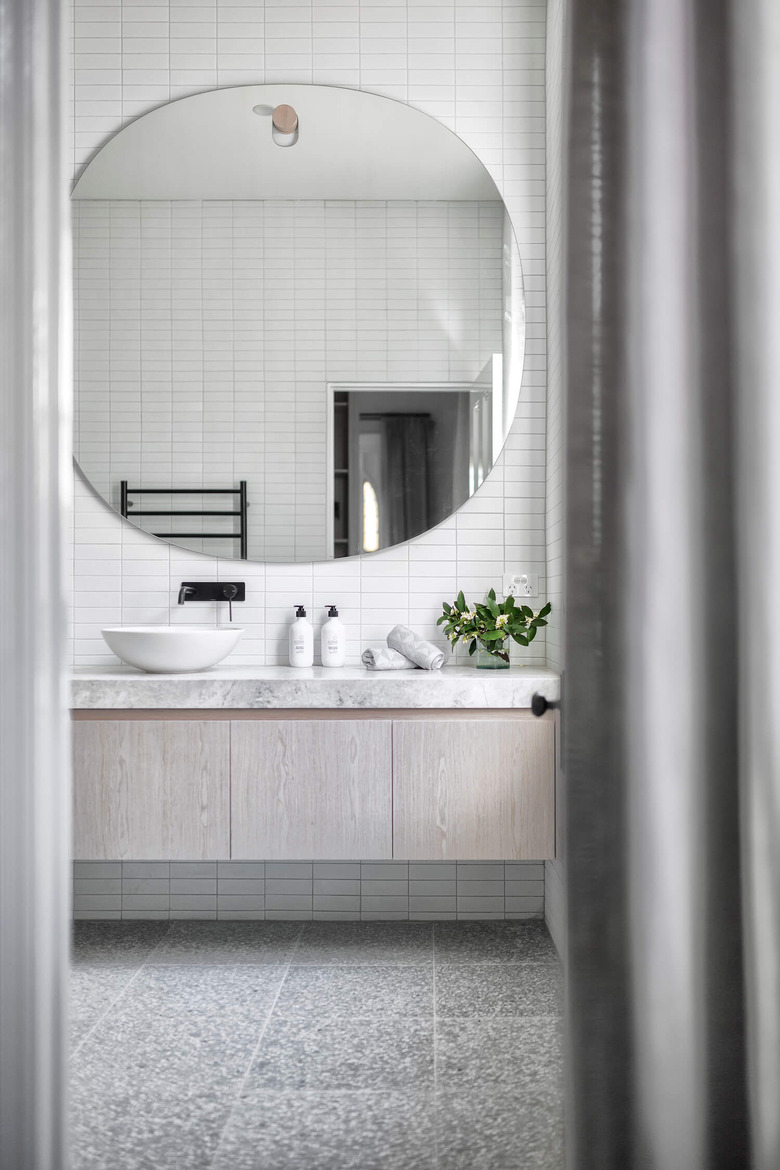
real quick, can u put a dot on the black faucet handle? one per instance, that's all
(230, 592)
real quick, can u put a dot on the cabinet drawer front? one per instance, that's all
(473, 790)
(319, 789)
(151, 789)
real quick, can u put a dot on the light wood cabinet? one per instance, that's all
(151, 789)
(312, 789)
(331, 785)
(465, 790)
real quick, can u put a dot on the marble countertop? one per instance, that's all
(286, 687)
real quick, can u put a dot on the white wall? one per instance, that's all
(207, 331)
(555, 872)
(479, 67)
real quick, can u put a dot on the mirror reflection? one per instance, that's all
(326, 368)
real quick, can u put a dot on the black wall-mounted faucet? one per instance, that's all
(228, 591)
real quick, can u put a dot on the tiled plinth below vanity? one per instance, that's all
(308, 891)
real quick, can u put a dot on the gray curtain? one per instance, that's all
(406, 489)
(35, 468)
(673, 536)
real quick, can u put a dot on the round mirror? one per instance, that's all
(299, 322)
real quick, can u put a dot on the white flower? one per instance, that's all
(501, 621)
(467, 637)
(471, 615)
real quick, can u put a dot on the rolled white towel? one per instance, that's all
(419, 651)
(383, 658)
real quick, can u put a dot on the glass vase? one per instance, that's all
(495, 658)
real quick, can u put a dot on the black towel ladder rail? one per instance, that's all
(126, 504)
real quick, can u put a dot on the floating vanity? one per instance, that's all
(284, 764)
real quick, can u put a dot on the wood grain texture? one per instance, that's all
(315, 789)
(149, 790)
(467, 793)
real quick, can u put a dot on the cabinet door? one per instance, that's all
(473, 789)
(151, 789)
(311, 789)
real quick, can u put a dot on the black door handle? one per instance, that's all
(539, 704)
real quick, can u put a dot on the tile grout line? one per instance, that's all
(435, 1057)
(256, 1049)
(116, 998)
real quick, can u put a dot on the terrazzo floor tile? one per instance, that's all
(508, 989)
(357, 991)
(106, 944)
(229, 942)
(176, 1134)
(500, 1131)
(238, 992)
(139, 1059)
(328, 1054)
(494, 942)
(365, 942)
(525, 1053)
(330, 1131)
(211, 1047)
(92, 992)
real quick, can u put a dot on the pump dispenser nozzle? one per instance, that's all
(332, 611)
(300, 611)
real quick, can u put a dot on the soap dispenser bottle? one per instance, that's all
(333, 642)
(301, 640)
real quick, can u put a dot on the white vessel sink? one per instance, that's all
(171, 649)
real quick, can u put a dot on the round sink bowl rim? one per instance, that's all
(200, 630)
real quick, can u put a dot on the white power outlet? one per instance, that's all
(521, 584)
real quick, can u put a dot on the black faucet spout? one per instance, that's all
(185, 592)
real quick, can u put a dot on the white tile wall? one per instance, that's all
(206, 333)
(555, 871)
(479, 68)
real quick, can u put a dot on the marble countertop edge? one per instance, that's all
(284, 687)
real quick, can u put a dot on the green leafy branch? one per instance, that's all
(491, 622)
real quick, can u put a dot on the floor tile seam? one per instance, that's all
(421, 963)
(117, 997)
(255, 1051)
(551, 962)
(497, 1019)
(230, 962)
(366, 965)
(379, 1094)
(517, 1016)
(435, 1055)
(353, 1017)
